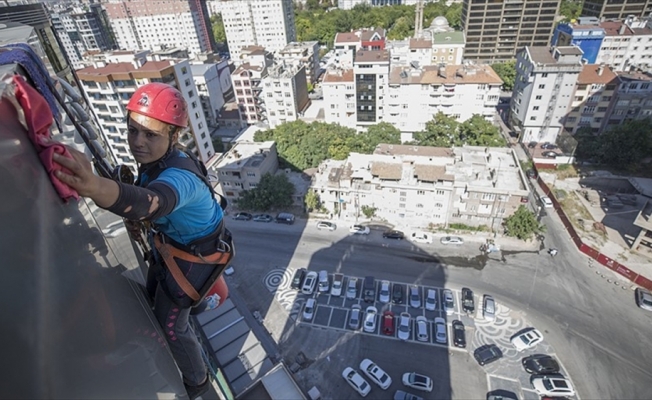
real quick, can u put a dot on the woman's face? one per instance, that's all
(148, 138)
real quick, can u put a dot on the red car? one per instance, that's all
(388, 323)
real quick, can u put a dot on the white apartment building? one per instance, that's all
(423, 187)
(371, 75)
(349, 4)
(247, 84)
(109, 86)
(594, 92)
(416, 94)
(267, 23)
(300, 54)
(443, 48)
(338, 88)
(160, 24)
(213, 80)
(543, 91)
(284, 93)
(626, 44)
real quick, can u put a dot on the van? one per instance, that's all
(323, 281)
(285, 218)
(369, 289)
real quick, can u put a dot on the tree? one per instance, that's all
(570, 9)
(477, 131)
(507, 72)
(273, 191)
(440, 132)
(523, 224)
(311, 87)
(383, 132)
(368, 211)
(312, 201)
(625, 146)
(217, 24)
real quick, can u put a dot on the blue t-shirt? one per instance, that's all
(196, 214)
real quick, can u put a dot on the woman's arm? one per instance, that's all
(103, 191)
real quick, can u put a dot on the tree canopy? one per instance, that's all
(273, 191)
(445, 131)
(507, 72)
(523, 224)
(570, 9)
(217, 25)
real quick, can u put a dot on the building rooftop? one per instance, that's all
(455, 37)
(616, 28)
(543, 54)
(634, 75)
(366, 56)
(298, 46)
(247, 67)
(570, 50)
(338, 75)
(253, 50)
(449, 74)
(403, 149)
(363, 35)
(123, 68)
(420, 44)
(595, 74)
(283, 71)
(245, 154)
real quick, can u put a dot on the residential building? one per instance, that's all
(212, 80)
(242, 167)
(496, 31)
(415, 95)
(543, 91)
(586, 33)
(442, 48)
(109, 86)
(338, 87)
(267, 23)
(284, 93)
(362, 39)
(631, 100)
(593, 95)
(371, 72)
(246, 80)
(610, 9)
(349, 4)
(161, 24)
(304, 54)
(425, 187)
(626, 44)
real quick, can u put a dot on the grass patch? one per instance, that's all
(564, 171)
(575, 210)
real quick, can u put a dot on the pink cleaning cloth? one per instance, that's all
(38, 118)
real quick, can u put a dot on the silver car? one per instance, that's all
(644, 299)
(449, 302)
(488, 308)
(355, 317)
(404, 326)
(415, 297)
(452, 240)
(383, 293)
(351, 289)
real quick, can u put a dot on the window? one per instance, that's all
(184, 70)
(401, 205)
(544, 75)
(589, 109)
(191, 93)
(194, 104)
(535, 108)
(438, 205)
(488, 196)
(421, 192)
(187, 82)
(419, 205)
(542, 86)
(439, 192)
(251, 174)
(538, 98)
(533, 118)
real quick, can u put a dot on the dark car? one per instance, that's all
(532, 174)
(532, 145)
(397, 293)
(487, 354)
(243, 216)
(549, 154)
(459, 336)
(540, 364)
(468, 304)
(297, 280)
(398, 235)
(548, 146)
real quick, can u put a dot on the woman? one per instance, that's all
(172, 194)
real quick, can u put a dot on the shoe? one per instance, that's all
(196, 391)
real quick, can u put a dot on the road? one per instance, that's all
(600, 336)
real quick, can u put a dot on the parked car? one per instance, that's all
(431, 300)
(552, 386)
(357, 382)
(285, 218)
(338, 282)
(388, 323)
(421, 237)
(355, 316)
(459, 335)
(548, 146)
(644, 299)
(468, 303)
(351, 288)
(392, 234)
(263, 218)
(546, 202)
(242, 216)
(330, 226)
(488, 308)
(369, 289)
(417, 381)
(297, 279)
(375, 373)
(449, 302)
(383, 292)
(415, 296)
(527, 339)
(401, 395)
(487, 354)
(404, 326)
(532, 174)
(359, 229)
(324, 285)
(309, 283)
(309, 309)
(397, 293)
(422, 329)
(550, 154)
(440, 330)
(452, 240)
(540, 364)
(370, 319)
(532, 145)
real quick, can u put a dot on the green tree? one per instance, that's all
(442, 131)
(273, 191)
(312, 201)
(402, 28)
(523, 224)
(218, 28)
(311, 87)
(507, 72)
(383, 132)
(625, 146)
(368, 211)
(477, 131)
(454, 15)
(570, 9)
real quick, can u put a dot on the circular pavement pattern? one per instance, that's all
(277, 278)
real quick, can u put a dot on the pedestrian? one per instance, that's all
(172, 193)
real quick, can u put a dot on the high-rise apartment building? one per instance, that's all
(161, 24)
(593, 95)
(496, 31)
(304, 54)
(371, 74)
(267, 23)
(616, 9)
(247, 82)
(285, 93)
(627, 44)
(349, 4)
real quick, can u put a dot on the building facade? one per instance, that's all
(610, 9)
(543, 91)
(496, 31)
(362, 39)
(593, 95)
(371, 76)
(349, 4)
(632, 99)
(339, 91)
(284, 94)
(586, 34)
(302, 54)
(213, 82)
(627, 44)
(247, 83)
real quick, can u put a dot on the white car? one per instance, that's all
(357, 382)
(422, 329)
(431, 300)
(553, 386)
(309, 309)
(351, 288)
(338, 281)
(449, 302)
(383, 293)
(326, 225)
(359, 229)
(527, 339)
(370, 319)
(546, 202)
(440, 330)
(421, 237)
(452, 240)
(404, 326)
(417, 381)
(375, 373)
(309, 283)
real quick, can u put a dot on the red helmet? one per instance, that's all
(160, 101)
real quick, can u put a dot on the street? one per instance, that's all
(598, 333)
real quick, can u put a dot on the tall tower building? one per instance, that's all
(266, 23)
(611, 9)
(496, 31)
